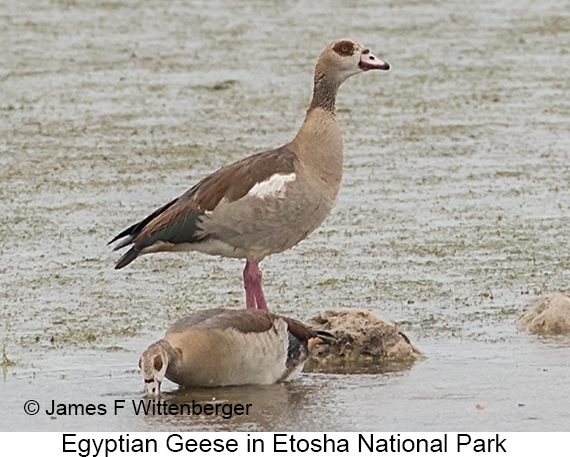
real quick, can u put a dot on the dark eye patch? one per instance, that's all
(158, 363)
(344, 48)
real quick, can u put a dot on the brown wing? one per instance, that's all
(242, 320)
(176, 222)
(299, 330)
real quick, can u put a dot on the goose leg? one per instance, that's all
(258, 290)
(254, 297)
(248, 286)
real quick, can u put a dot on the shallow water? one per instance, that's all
(454, 211)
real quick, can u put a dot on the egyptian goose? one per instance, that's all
(223, 347)
(270, 201)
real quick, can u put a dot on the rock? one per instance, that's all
(550, 315)
(363, 343)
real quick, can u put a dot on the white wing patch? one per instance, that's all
(272, 187)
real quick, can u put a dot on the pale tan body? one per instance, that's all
(229, 357)
(223, 347)
(255, 227)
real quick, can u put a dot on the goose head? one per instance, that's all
(344, 58)
(153, 364)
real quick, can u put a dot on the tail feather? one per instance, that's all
(132, 231)
(326, 337)
(127, 258)
(125, 232)
(128, 240)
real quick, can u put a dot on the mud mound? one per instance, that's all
(363, 343)
(550, 315)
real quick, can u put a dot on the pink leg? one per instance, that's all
(248, 286)
(254, 297)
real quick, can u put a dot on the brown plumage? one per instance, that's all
(268, 202)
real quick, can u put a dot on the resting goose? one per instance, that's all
(270, 201)
(223, 347)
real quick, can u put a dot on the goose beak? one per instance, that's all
(369, 61)
(151, 388)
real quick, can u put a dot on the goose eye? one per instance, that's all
(344, 48)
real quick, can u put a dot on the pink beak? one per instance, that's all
(369, 61)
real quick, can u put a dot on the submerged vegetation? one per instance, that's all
(6, 362)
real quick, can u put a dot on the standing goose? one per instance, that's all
(270, 201)
(227, 347)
